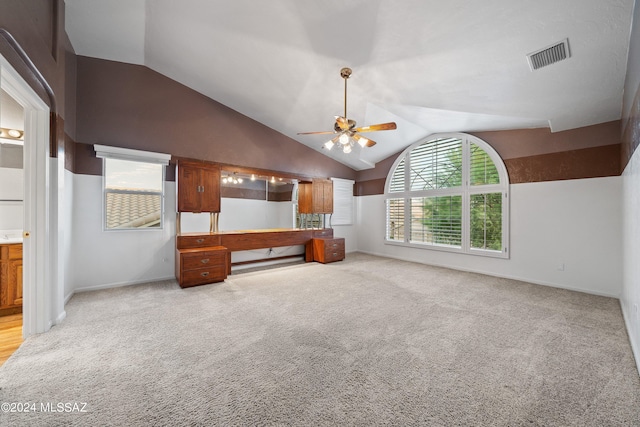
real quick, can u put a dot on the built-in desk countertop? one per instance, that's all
(242, 240)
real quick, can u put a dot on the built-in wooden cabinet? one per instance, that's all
(328, 249)
(10, 277)
(198, 187)
(315, 197)
(201, 265)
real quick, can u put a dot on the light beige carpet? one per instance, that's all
(367, 341)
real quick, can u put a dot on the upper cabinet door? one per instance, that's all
(198, 187)
(304, 198)
(316, 197)
(210, 190)
(327, 196)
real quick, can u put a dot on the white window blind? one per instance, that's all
(397, 182)
(395, 219)
(436, 164)
(342, 202)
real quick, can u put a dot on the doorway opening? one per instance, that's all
(38, 226)
(11, 223)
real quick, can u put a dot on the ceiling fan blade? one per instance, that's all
(374, 128)
(317, 133)
(364, 142)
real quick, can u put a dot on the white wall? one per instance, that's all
(630, 298)
(110, 258)
(576, 223)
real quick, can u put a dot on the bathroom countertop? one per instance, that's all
(8, 237)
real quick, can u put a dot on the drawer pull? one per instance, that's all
(335, 245)
(335, 254)
(204, 261)
(205, 274)
(199, 240)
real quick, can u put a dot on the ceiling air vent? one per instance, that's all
(549, 55)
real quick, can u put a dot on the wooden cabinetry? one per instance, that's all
(198, 187)
(315, 197)
(10, 278)
(201, 265)
(327, 249)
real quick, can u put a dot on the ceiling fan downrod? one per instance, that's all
(345, 73)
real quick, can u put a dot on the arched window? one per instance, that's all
(449, 192)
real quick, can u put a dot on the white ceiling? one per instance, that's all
(430, 66)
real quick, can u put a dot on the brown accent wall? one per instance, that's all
(574, 164)
(37, 28)
(132, 106)
(513, 144)
(533, 155)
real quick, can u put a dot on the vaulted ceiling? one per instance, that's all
(430, 66)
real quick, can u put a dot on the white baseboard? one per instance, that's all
(503, 276)
(120, 284)
(68, 297)
(634, 346)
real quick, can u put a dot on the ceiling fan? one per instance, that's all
(345, 129)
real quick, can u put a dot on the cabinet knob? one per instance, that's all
(205, 274)
(204, 261)
(26, 234)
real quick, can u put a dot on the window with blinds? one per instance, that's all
(133, 184)
(451, 191)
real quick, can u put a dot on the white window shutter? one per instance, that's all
(342, 201)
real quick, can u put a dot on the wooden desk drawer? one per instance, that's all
(203, 275)
(324, 233)
(203, 259)
(328, 249)
(197, 241)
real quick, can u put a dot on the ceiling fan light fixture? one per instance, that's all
(363, 141)
(345, 130)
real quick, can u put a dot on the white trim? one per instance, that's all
(38, 284)
(120, 284)
(494, 274)
(108, 152)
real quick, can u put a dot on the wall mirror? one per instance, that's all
(252, 201)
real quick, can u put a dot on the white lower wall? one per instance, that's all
(575, 223)
(630, 298)
(111, 258)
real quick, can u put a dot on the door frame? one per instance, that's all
(38, 283)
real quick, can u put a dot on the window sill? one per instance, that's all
(450, 249)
